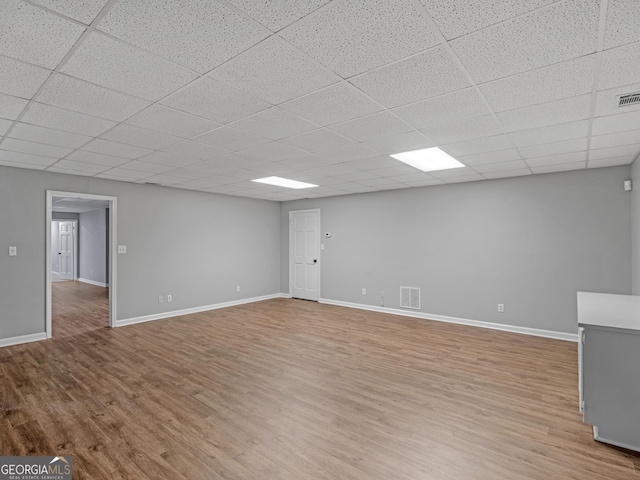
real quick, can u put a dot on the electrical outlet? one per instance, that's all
(501, 307)
(160, 299)
(13, 251)
(238, 288)
(364, 291)
(169, 298)
(122, 249)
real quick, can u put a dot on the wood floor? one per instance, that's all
(288, 389)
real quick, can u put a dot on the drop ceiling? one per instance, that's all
(208, 95)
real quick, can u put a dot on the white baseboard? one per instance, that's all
(34, 337)
(570, 337)
(188, 311)
(92, 282)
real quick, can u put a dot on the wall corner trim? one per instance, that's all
(34, 337)
(188, 311)
(569, 337)
(92, 282)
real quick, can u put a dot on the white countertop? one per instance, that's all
(608, 310)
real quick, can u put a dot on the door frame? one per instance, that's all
(75, 244)
(318, 276)
(113, 251)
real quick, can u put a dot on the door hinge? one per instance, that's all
(582, 405)
(582, 336)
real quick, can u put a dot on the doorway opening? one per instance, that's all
(80, 262)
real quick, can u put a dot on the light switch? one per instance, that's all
(122, 249)
(13, 251)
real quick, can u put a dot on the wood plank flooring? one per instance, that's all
(288, 389)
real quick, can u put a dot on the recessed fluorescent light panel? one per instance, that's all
(428, 159)
(284, 182)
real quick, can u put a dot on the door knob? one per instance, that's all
(315, 260)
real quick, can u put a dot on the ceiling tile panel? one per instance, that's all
(35, 36)
(520, 172)
(479, 145)
(73, 94)
(34, 148)
(352, 37)
(198, 34)
(350, 152)
(33, 133)
(403, 142)
(620, 66)
(62, 119)
(318, 141)
(115, 149)
(277, 14)
(81, 167)
(140, 137)
(332, 105)
(500, 166)
(168, 120)
(275, 124)
(82, 10)
(273, 151)
(455, 18)
(559, 32)
(623, 18)
(449, 108)
(25, 158)
(197, 150)
(464, 178)
(215, 101)
(561, 167)
(419, 77)
(275, 72)
(616, 139)
(20, 79)
(555, 82)
(613, 152)
(554, 148)
(96, 158)
(556, 159)
(373, 126)
(553, 133)
(611, 162)
(551, 113)
(231, 139)
(489, 157)
(167, 159)
(11, 107)
(616, 123)
(485, 126)
(113, 64)
(4, 125)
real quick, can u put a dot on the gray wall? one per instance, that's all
(92, 256)
(529, 242)
(193, 245)
(635, 226)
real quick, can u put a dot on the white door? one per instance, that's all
(66, 253)
(304, 228)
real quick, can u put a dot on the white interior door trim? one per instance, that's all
(113, 252)
(319, 253)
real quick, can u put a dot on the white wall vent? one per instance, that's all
(630, 99)
(410, 297)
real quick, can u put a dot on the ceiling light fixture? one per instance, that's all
(284, 182)
(428, 159)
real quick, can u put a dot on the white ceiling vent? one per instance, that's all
(410, 297)
(630, 99)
